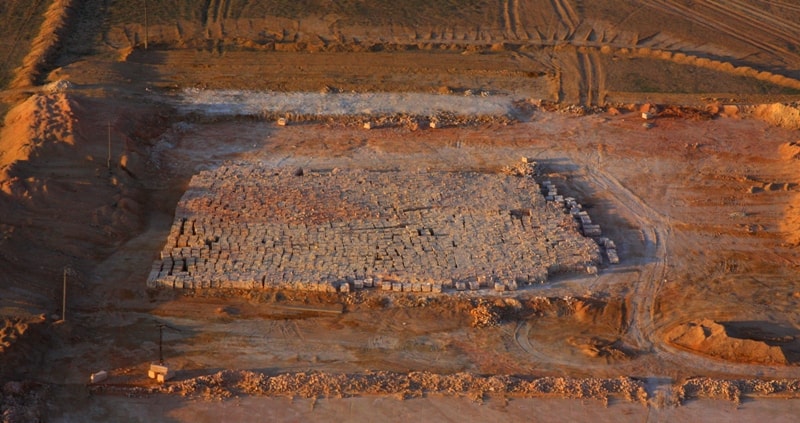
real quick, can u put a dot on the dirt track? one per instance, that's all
(701, 200)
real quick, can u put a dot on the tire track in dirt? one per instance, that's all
(656, 232)
(507, 23)
(761, 22)
(642, 326)
(523, 340)
(566, 14)
(573, 16)
(765, 22)
(585, 79)
(570, 77)
(214, 13)
(519, 29)
(586, 84)
(782, 4)
(205, 15)
(599, 75)
(695, 15)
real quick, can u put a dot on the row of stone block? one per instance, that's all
(611, 250)
(588, 228)
(252, 280)
(426, 241)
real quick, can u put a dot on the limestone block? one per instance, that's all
(163, 377)
(98, 377)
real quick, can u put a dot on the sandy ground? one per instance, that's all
(639, 183)
(701, 202)
(434, 409)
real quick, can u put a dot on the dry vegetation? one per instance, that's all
(701, 198)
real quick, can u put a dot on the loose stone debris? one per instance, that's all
(228, 383)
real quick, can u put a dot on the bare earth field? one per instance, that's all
(672, 123)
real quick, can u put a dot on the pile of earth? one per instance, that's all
(747, 342)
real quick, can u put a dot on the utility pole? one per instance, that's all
(109, 146)
(145, 24)
(160, 344)
(64, 298)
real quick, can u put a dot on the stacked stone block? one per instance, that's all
(247, 226)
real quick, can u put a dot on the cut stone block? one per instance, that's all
(163, 377)
(98, 377)
(613, 258)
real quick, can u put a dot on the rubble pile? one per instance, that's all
(229, 383)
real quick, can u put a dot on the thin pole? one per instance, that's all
(145, 24)
(64, 298)
(109, 146)
(160, 344)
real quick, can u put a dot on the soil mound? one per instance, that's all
(749, 342)
(790, 151)
(41, 120)
(46, 44)
(779, 115)
(588, 310)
